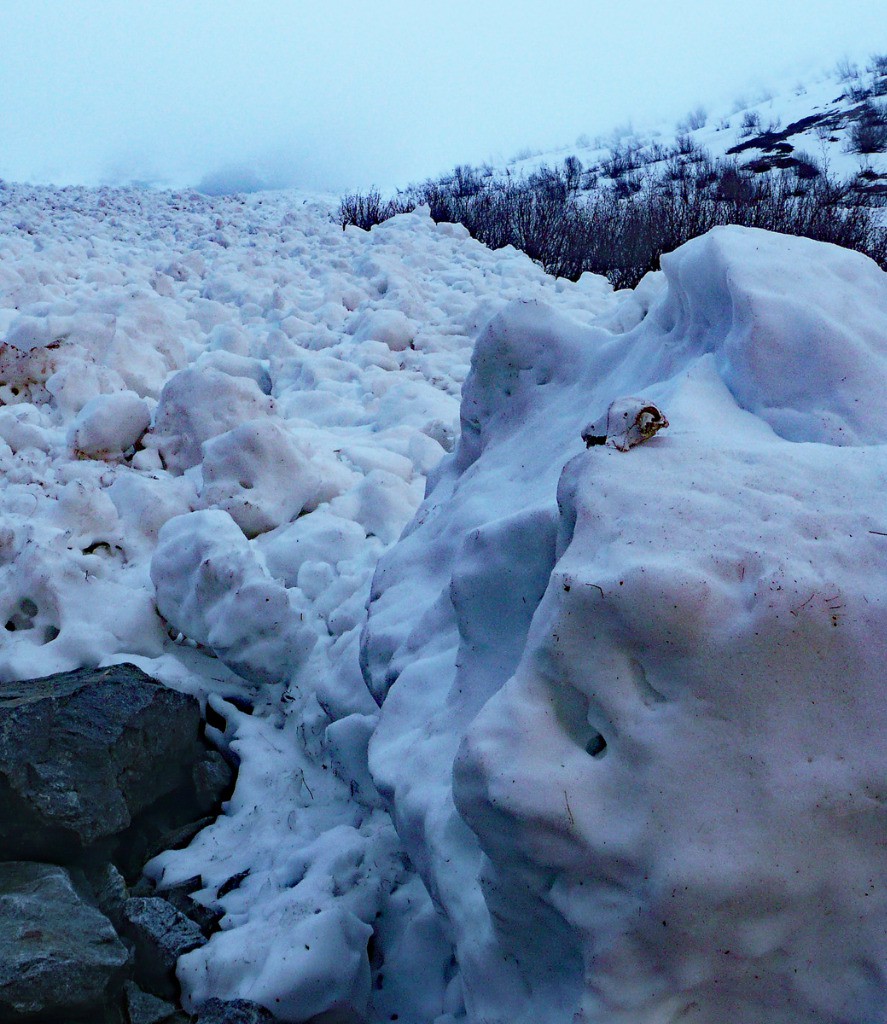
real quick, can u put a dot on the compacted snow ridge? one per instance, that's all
(529, 732)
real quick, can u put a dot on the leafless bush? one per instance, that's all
(366, 209)
(806, 166)
(846, 70)
(621, 229)
(868, 133)
(573, 173)
(621, 160)
(696, 119)
(750, 124)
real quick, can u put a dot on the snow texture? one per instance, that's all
(633, 721)
(608, 743)
(297, 383)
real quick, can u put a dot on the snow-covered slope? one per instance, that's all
(609, 743)
(810, 123)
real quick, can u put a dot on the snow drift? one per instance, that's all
(633, 727)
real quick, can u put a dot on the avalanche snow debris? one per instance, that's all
(632, 725)
(300, 382)
(629, 762)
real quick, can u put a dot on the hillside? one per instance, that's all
(809, 161)
(818, 123)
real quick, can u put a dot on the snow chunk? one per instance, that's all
(258, 475)
(196, 405)
(796, 327)
(213, 588)
(24, 371)
(108, 425)
(228, 338)
(21, 426)
(236, 365)
(389, 326)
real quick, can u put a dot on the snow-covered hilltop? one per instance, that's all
(527, 731)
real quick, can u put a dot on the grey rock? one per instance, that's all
(207, 918)
(109, 890)
(176, 838)
(60, 957)
(143, 1008)
(82, 753)
(160, 934)
(143, 887)
(213, 781)
(236, 1011)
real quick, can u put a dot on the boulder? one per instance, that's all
(160, 934)
(143, 1008)
(82, 753)
(213, 780)
(206, 918)
(59, 956)
(109, 890)
(235, 1011)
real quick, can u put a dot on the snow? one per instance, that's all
(526, 731)
(819, 111)
(217, 414)
(109, 425)
(633, 710)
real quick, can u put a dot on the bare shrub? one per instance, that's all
(366, 209)
(750, 124)
(621, 229)
(696, 119)
(846, 70)
(806, 166)
(621, 160)
(573, 173)
(868, 133)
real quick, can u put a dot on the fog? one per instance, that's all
(286, 93)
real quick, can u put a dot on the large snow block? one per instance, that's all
(795, 327)
(632, 722)
(213, 587)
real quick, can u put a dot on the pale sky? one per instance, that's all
(349, 93)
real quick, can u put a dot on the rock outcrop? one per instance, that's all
(99, 770)
(60, 957)
(83, 753)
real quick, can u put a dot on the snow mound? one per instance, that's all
(197, 405)
(259, 476)
(804, 351)
(587, 659)
(108, 425)
(632, 727)
(212, 587)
